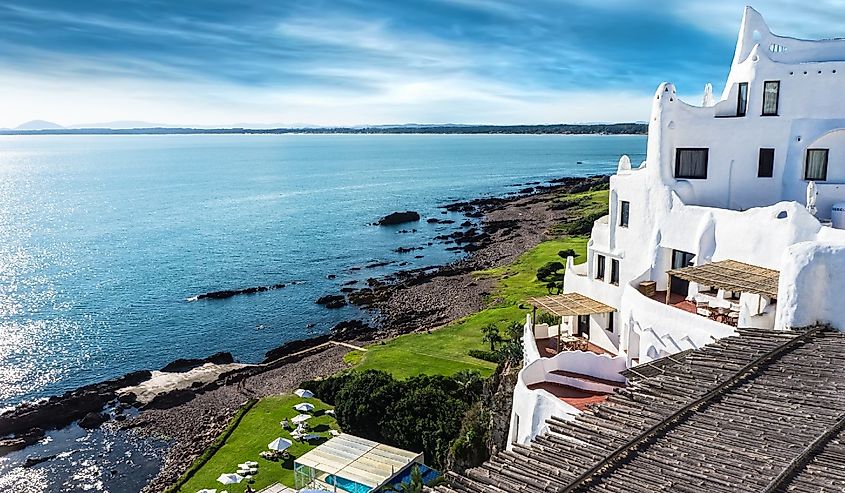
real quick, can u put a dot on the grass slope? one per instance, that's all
(444, 351)
(259, 427)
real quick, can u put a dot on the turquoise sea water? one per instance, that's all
(104, 238)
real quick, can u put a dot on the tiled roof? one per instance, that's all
(760, 412)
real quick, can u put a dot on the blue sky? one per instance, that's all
(348, 62)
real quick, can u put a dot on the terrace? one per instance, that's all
(723, 291)
(572, 333)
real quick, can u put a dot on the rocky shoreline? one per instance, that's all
(421, 299)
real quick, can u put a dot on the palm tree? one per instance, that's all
(491, 335)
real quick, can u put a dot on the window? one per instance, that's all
(614, 271)
(771, 92)
(766, 163)
(600, 267)
(742, 99)
(691, 163)
(816, 166)
(610, 317)
(624, 210)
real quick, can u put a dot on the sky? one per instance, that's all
(356, 62)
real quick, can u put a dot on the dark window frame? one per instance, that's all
(601, 260)
(777, 98)
(614, 271)
(766, 162)
(681, 150)
(807, 162)
(624, 213)
(610, 322)
(742, 99)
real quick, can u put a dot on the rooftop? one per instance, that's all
(357, 459)
(570, 304)
(760, 412)
(732, 275)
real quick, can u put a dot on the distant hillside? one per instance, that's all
(569, 129)
(38, 125)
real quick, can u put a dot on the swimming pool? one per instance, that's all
(347, 484)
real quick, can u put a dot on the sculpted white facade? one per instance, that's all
(727, 180)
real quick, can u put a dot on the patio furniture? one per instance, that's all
(648, 288)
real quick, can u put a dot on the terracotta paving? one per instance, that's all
(577, 398)
(547, 349)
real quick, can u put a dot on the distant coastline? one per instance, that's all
(558, 129)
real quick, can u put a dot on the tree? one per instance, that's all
(491, 334)
(515, 330)
(363, 401)
(567, 253)
(426, 419)
(549, 271)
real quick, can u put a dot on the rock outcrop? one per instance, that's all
(398, 218)
(186, 364)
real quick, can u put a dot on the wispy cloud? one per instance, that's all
(350, 62)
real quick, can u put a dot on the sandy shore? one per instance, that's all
(403, 302)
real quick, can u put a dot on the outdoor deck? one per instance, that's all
(547, 347)
(686, 305)
(577, 398)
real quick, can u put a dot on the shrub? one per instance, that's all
(470, 448)
(326, 389)
(567, 253)
(547, 318)
(481, 354)
(549, 271)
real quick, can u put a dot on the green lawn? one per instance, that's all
(444, 351)
(259, 427)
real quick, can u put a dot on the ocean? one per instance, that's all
(104, 240)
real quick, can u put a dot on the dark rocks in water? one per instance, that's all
(398, 218)
(527, 190)
(354, 268)
(331, 276)
(60, 411)
(432, 220)
(34, 461)
(444, 212)
(419, 256)
(352, 329)
(347, 289)
(407, 231)
(406, 249)
(127, 398)
(170, 399)
(350, 283)
(93, 420)
(466, 224)
(331, 301)
(228, 293)
(20, 441)
(291, 347)
(373, 265)
(336, 303)
(183, 364)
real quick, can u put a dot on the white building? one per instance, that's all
(742, 190)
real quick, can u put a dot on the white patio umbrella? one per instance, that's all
(279, 444)
(304, 407)
(230, 478)
(300, 418)
(303, 394)
(207, 490)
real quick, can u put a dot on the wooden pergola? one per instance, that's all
(568, 305)
(729, 275)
